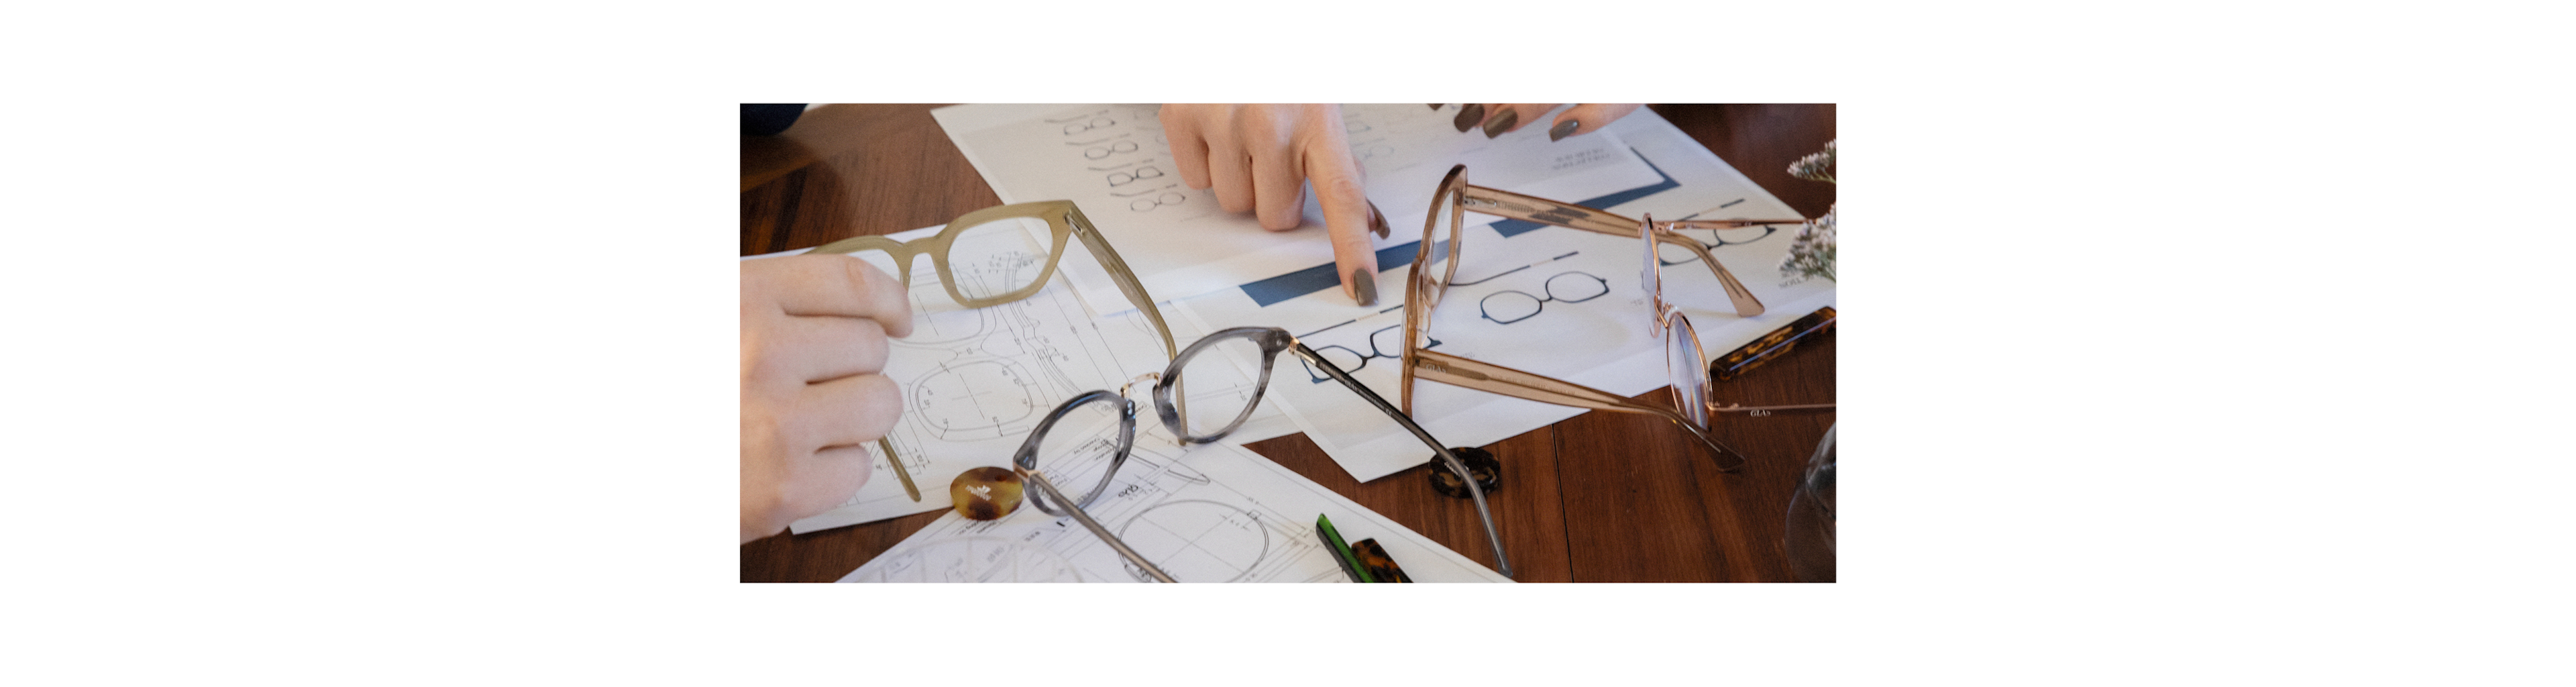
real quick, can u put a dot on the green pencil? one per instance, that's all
(1341, 551)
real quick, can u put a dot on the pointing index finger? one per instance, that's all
(1348, 216)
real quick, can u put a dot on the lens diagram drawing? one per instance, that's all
(1200, 541)
(978, 399)
(973, 559)
(1209, 513)
(975, 381)
(990, 373)
(1196, 529)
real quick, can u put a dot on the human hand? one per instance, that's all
(1574, 121)
(814, 331)
(1260, 157)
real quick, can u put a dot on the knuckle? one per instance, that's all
(872, 346)
(1338, 184)
(882, 393)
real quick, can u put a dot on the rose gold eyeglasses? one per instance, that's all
(1682, 357)
(1436, 262)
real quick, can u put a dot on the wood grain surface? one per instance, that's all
(1601, 497)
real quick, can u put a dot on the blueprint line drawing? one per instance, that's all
(976, 559)
(1208, 513)
(1112, 156)
(1210, 540)
(975, 381)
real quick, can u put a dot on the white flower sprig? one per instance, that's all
(1817, 167)
(1811, 252)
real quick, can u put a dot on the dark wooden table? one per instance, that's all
(1601, 497)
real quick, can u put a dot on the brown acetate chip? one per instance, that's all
(1379, 565)
(1480, 462)
(985, 493)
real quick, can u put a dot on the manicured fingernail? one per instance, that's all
(1469, 116)
(1500, 122)
(1562, 130)
(1377, 221)
(1366, 287)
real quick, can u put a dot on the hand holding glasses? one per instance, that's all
(1083, 458)
(996, 255)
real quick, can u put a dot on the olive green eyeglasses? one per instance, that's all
(997, 255)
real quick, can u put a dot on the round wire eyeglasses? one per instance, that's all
(1086, 459)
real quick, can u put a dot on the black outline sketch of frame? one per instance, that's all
(1721, 242)
(1486, 312)
(1374, 353)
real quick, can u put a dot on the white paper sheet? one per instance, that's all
(1212, 513)
(1601, 342)
(975, 381)
(1113, 161)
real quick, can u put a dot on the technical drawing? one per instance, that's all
(1199, 541)
(942, 330)
(975, 381)
(981, 399)
(1211, 513)
(974, 559)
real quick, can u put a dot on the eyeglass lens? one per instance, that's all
(1681, 344)
(1217, 384)
(1441, 234)
(1690, 377)
(1650, 279)
(1000, 256)
(1078, 450)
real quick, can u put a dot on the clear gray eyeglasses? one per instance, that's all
(1104, 456)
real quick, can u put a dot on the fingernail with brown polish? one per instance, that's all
(1501, 122)
(1469, 116)
(1366, 287)
(1377, 221)
(1563, 129)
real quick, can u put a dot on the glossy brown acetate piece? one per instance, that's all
(986, 493)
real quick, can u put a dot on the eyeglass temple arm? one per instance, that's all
(1746, 305)
(1484, 376)
(1502, 563)
(1493, 201)
(899, 471)
(1121, 275)
(1571, 216)
(1048, 486)
(1758, 411)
